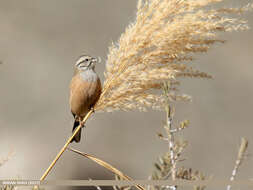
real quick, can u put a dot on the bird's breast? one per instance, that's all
(85, 87)
(89, 76)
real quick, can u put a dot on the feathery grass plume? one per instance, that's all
(158, 46)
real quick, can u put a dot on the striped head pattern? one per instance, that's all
(86, 62)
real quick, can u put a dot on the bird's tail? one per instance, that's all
(77, 137)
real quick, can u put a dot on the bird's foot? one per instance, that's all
(82, 123)
(92, 109)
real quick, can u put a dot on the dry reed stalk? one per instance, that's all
(155, 48)
(105, 165)
(64, 148)
(168, 127)
(240, 157)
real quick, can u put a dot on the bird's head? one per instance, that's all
(86, 62)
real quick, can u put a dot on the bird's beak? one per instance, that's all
(96, 60)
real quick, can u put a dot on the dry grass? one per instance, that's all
(240, 157)
(158, 46)
(106, 165)
(170, 165)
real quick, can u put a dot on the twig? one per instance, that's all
(65, 146)
(183, 125)
(176, 130)
(170, 138)
(168, 128)
(178, 153)
(240, 157)
(171, 143)
(105, 165)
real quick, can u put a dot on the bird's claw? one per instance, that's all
(82, 124)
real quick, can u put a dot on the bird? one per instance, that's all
(85, 90)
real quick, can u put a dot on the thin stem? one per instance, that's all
(65, 146)
(240, 156)
(171, 142)
(170, 139)
(177, 129)
(171, 146)
(105, 165)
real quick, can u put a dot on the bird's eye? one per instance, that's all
(86, 59)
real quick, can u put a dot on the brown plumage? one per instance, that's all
(85, 90)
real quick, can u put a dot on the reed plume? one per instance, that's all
(158, 46)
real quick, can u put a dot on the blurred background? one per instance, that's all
(39, 44)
